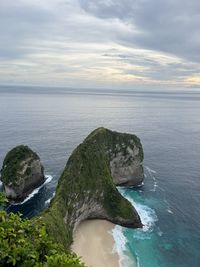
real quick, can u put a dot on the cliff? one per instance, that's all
(21, 172)
(87, 186)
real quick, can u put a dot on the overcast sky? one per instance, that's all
(100, 43)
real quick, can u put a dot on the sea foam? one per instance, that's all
(35, 191)
(148, 217)
(49, 199)
(150, 170)
(121, 249)
(152, 173)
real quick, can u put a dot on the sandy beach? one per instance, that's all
(94, 242)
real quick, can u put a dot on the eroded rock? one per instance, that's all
(21, 173)
(87, 186)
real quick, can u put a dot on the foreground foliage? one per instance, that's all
(25, 243)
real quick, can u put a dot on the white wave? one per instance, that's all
(154, 187)
(150, 170)
(168, 208)
(160, 233)
(120, 248)
(169, 211)
(147, 214)
(48, 179)
(49, 200)
(153, 177)
(35, 191)
(122, 190)
(140, 185)
(120, 244)
(148, 218)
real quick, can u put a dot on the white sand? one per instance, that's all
(94, 242)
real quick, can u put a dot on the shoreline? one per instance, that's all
(94, 243)
(34, 192)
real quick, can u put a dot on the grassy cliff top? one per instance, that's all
(111, 139)
(87, 177)
(12, 161)
(86, 181)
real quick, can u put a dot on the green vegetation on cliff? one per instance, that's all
(110, 139)
(85, 190)
(24, 243)
(86, 181)
(11, 164)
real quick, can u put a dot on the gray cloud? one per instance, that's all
(25, 25)
(20, 25)
(83, 41)
(170, 26)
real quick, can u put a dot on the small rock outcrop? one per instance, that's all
(21, 173)
(87, 186)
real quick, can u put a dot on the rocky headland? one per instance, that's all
(87, 186)
(21, 173)
(86, 190)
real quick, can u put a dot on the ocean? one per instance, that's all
(54, 121)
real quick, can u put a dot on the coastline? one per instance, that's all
(94, 243)
(47, 180)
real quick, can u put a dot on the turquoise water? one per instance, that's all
(53, 122)
(154, 246)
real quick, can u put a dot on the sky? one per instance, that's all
(100, 43)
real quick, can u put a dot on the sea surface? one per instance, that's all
(54, 121)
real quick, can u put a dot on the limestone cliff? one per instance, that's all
(22, 172)
(87, 186)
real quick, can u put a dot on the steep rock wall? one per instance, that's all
(21, 173)
(87, 186)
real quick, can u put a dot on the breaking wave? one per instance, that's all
(35, 191)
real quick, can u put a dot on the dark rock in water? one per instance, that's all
(21, 173)
(87, 186)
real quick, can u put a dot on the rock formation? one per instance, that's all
(87, 186)
(21, 173)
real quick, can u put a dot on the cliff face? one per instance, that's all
(126, 159)
(22, 172)
(86, 189)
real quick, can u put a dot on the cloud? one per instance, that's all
(21, 22)
(169, 26)
(105, 43)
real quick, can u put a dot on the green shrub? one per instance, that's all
(25, 243)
